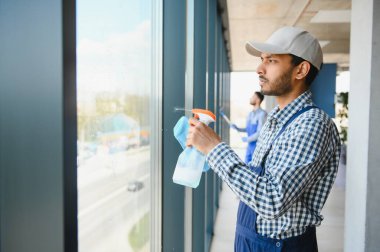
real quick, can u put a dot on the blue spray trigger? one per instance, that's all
(180, 131)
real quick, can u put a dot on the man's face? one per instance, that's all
(275, 74)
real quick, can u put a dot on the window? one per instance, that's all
(116, 91)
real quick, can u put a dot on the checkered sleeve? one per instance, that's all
(294, 165)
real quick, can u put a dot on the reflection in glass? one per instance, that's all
(114, 83)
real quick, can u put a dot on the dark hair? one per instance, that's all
(260, 95)
(313, 72)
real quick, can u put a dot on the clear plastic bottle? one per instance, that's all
(188, 171)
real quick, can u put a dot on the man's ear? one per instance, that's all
(302, 70)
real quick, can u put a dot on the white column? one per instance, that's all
(362, 219)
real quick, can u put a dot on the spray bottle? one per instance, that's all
(188, 171)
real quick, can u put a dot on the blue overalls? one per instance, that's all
(248, 240)
(251, 128)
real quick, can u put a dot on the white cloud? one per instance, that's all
(121, 62)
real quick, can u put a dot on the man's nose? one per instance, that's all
(260, 69)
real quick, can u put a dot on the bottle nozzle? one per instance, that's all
(204, 115)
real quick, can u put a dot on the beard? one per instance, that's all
(279, 86)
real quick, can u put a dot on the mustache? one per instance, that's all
(262, 78)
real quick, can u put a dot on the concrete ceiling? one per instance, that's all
(328, 20)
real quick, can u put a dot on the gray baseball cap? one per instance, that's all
(289, 40)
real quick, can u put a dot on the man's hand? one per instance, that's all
(202, 137)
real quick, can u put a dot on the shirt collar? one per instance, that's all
(282, 116)
(257, 110)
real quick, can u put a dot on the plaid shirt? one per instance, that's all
(299, 170)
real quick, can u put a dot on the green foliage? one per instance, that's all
(343, 99)
(139, 234)
(107, 103)
(342, 115)
(134, 106)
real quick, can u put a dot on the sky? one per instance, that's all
(113, 47)
(97, 19)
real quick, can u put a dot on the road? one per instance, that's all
(107, 210)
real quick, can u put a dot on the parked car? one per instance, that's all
(135, 186)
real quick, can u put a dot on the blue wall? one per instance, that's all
(323, 89)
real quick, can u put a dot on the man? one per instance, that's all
(255, 121)
(284, 187)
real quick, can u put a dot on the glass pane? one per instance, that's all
(114, 53)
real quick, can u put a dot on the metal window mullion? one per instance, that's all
(207, 100)
(156, 125)
(189, 95)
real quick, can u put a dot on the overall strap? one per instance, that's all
(291, 119)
